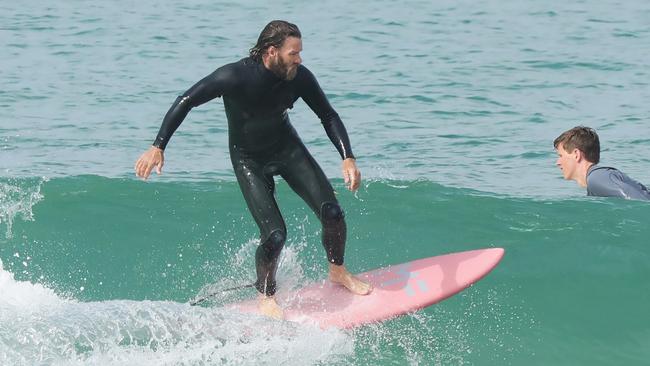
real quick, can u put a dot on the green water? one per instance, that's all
(570, 289)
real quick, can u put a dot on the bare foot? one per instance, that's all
(269, 307)
(340, 275)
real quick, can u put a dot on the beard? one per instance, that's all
(283, 70)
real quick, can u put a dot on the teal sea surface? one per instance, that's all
(451, 107)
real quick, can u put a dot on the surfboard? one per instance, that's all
(397, 290)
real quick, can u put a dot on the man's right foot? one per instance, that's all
(340, 275)
(269, 307)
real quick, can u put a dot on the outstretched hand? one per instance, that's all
(152, 158)
(351, 174)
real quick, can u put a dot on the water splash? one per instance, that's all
(39, 327)
(18, 200)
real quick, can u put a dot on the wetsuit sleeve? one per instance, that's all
(313, 95)
(208, 88)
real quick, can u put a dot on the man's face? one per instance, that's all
(567, 161)
(284, 61)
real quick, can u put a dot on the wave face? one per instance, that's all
(99, 270)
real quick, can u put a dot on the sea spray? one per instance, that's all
(17, 197)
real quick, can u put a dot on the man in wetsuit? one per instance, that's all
(257, 91)
(578, 152)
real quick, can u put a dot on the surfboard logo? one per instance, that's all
(403, 278)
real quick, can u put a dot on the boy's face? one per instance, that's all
(567, 161)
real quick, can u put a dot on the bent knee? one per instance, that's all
(331, 211)
(275, 241)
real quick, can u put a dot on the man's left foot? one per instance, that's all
(269, 307)
(340, 275)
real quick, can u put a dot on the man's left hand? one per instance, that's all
(351, 174)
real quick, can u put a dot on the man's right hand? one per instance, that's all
(151, 158)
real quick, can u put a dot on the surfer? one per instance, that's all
(257, 92)
(578, 152)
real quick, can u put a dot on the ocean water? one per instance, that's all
(451, 108)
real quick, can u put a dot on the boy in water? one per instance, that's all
(578, 152)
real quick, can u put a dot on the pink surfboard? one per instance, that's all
(398, 289)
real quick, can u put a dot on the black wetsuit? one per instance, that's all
(263, 144)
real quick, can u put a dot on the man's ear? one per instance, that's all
(580, 156)
(272, 51)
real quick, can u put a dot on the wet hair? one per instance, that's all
(274, 35)
(582, 138)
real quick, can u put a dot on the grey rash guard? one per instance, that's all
(611, 182)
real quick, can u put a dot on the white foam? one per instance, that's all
(39, 327)
(23, 296)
